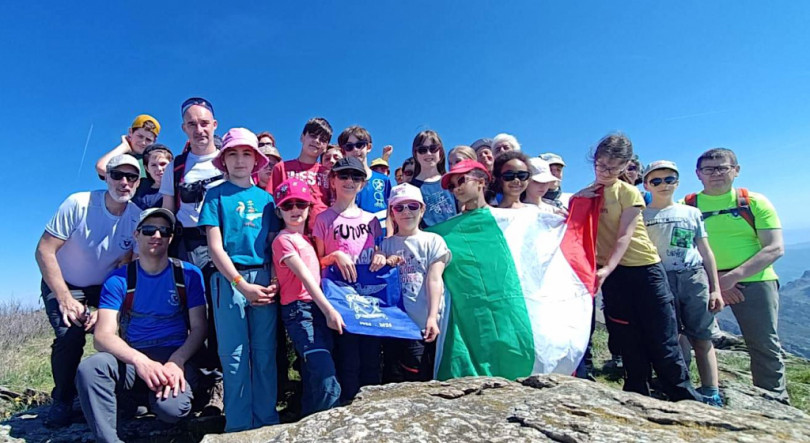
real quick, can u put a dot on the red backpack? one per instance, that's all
(743, 208)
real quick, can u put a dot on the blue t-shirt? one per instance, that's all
(155, 295)
(440, 204)
(240, 215)
(146, 196)
(373, 197)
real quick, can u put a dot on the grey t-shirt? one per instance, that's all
(674, 230)
(419, 251)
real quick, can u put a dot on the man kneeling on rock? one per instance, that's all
(151, 320)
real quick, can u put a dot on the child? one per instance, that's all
(142, 133)
(407, 169)
(355, 141)
(680, 237)
(299, 277)
(233, 214)
(331, 156)
(468, 180)
(421, 258)
(540, 182)
(314, 140)
(267, 145)
(511, 171)
(346, 235)
(428, 151)
(639, 306)
(155, 157)
(459, 153)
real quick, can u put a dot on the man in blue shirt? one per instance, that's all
(147, 330)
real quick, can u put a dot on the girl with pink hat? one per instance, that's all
(237, 216)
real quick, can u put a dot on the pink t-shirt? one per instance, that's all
(288, 244)
(353, 235)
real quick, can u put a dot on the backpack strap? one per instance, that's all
(744, 206)
(129, 299)
(178, 175)
(180, 287)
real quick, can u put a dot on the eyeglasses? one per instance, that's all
(631, 168)
(412, 206)
(118, 175)
(263, 144)
(668, 180)
(356, 177)
(711, 170)
(511, 175)
(425, 148)
(149, 230)
(612, 171)
(349, 147)
(288, 206)
(408, 172)
(460, 181)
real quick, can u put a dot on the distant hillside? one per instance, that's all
(795, 261)
(794, 309)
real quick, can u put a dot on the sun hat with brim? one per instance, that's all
(270, 151)
(378, 162)
(463, 167)
(660, 164)
(552, 158)
(121, 160)
(240, 137)
(541, 171)
(159, 212)
(292, 189)
(405, 192)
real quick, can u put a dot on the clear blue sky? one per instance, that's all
(677, 77)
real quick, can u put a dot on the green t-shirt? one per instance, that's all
(731, 238)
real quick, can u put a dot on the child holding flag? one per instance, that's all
(421, 258)
(346, 235)
(299, 278)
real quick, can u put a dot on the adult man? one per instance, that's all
(142, 133)
(745, 235)
(89, 236)
(151, 320)
(555, 194)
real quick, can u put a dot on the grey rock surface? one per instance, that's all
(538, 408)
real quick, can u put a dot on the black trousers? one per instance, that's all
(640, 313)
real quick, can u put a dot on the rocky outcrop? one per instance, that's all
(538, 408)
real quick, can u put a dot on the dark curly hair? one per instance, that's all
(502, 160)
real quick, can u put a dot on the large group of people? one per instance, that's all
(203, 264)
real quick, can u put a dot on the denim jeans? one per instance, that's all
(247, 350)
(312, 339)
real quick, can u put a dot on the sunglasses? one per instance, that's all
(349, 147)
(631, 168)
(263, 144)
(425, 148)
(356, 177)
(412, 206)
(288, 206)
(130, 176)
(408, 172)
(511, 175)
(149, 230)
(668, 180)
(461, 180)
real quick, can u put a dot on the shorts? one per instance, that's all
(691, 290)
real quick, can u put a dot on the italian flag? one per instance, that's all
(519, 291)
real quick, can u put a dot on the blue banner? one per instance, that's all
(372, 305)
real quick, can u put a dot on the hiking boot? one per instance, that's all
(59, 415)
(713, 400)
(215, 405)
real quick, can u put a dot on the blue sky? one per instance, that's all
(677, 77)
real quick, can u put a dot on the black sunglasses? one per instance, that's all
(149, 230)
(425, 148)
(130, 176)
(511, 175)
(668, 180)
(356, 177)
(263, 144)
(631, 168)
(461, 180)
(412, 206)
(349, 147)
(287, 206)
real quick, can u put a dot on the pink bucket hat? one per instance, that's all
(240, 137)
(292, 189)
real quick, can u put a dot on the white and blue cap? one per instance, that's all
(405, 192)
(660, 164)
(552, 158)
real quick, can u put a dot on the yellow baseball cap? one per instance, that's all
(147, 122)
(379, 162)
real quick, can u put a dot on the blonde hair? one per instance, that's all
(464, 151)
